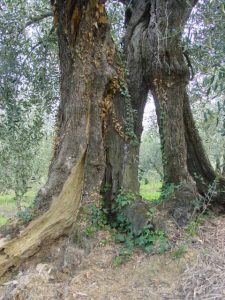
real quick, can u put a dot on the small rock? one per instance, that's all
(137, 214)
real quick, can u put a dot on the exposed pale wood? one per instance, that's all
(50, 226)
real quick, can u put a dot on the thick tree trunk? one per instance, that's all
(155, 58)
(137, 86)
(92, 144)
(199, 165)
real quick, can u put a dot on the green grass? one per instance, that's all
(150, 191)
(8, 205)
(3, 220)
(8, 200)
(29, 197)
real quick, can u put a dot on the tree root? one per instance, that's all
(54, 223)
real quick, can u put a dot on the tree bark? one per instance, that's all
(155, 58)
(137, 85)
(199, 165)
(92, 145)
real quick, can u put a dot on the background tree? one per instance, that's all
(150, 166)
(204, 43)
(28, 90)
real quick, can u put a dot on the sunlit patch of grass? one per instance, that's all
(8, 201)
(151, 191)
(29, 197)
(3, 220)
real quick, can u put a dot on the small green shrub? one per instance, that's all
(192, 228)
(122, 257)
(105, 188)
(177, 254)
(98, 216)
(167, 190)
(26, 215)
(123, 199)
(145, 239)
(90, 231)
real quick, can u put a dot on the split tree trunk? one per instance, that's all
(155, 58)
(91, 148)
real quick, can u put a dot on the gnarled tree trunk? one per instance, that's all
(199, 165)
(155, 58)
(92, 144)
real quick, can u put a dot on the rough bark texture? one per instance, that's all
(91, 145)
(90, 86)
(156, 61)
(137, 85)
(199, 165)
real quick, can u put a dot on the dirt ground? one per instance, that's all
(197, 272)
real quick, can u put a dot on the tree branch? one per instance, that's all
(38, 18)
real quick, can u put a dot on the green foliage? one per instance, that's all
(144, 239)
(28, 91)
(122, 200)
(177, 254)
(121, 228)
(167, 190)
(90, 231)
(106, 188)
(130, 114)
(3, 220)
(150, 153)
(115, 11)
(192, 227)
(26, 215)
(98, 216)
(122, 257)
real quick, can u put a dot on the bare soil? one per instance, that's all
(65, 272)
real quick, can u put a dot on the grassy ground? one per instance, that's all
(151, 191)
(3, 220)
(8, 205)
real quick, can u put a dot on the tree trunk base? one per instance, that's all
(182, 204)
(56, 222)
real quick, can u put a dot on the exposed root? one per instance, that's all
(50, 226)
